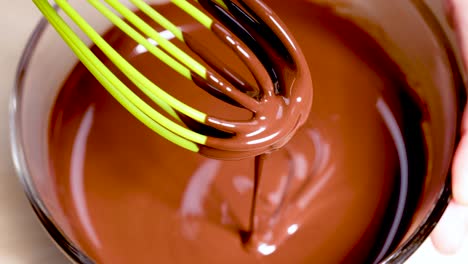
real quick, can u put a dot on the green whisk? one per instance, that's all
(170, 125)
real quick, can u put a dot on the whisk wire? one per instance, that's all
(132, 33)
(165, 44)
(194, 12)
(157, 17)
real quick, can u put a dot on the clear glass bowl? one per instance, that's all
(409, 31)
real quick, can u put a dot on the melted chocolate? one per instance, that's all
(282, 75)
(330, 195)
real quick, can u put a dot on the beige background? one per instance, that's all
(22, 240)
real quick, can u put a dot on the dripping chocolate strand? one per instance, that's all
(259, 163)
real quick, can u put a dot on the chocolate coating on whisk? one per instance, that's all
(283, 100)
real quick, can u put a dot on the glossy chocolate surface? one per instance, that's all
(333, 194)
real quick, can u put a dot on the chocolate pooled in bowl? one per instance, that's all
(345, 189)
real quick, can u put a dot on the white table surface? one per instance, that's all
(22, 240)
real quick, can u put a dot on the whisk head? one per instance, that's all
(279, 103)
